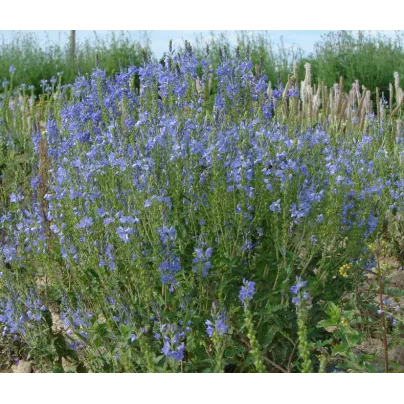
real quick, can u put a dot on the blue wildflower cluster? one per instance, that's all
(147, 198)
(218, 324)
(298, 290)
(173, 337)
(246, 291)
(201, 261)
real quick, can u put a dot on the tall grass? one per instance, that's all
(35, 61)
(368, 57)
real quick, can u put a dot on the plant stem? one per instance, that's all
(383, 319)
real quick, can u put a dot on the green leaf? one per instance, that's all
(326, 323)
(341, 348)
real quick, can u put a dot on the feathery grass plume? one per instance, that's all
(358, 92)
(397, 108)
(378, 103)
(295, 74)
(391, 93)
(269, 91)
(287, 87)
(352, 96)
(310, 102)
(399, 127)
(317, 100)
(359, 112)
(382, 108)
(324, 93)
(339, 97)
(307, 78)
(302, 93)
(199, 88)
(344, 108)
(306, 90)
(370, 102)
(332, 102)
(400, 95)
(285, 110)
(397, 87)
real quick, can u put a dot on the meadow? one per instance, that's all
(194, 214)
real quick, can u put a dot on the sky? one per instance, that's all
(305, 39)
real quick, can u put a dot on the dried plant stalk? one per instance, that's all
(43, 187)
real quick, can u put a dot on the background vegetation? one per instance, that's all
(369, 58)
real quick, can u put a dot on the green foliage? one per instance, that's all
(35, 62)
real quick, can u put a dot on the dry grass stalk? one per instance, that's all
(43, 187)
(340, 96)
(397, 87)
(397, 108)
(317, 102)
(295, 75)
(359, 113)
(199, 88)
(399, 127)
(343, 111)
(269, 90)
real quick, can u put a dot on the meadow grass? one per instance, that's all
(371, 58)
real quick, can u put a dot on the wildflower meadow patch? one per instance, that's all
(149, 225)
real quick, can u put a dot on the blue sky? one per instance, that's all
(159, 39)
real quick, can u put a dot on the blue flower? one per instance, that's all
(221, 327)
(209, 329)
(124, 233)
(296, 300)
(85, 222)
(247, 291)
(276, 206)
(299, 284)
(177, 355)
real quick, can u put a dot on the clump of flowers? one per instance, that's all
(299, 300)
(343, 270)
(298, 290)
(201, 262)
(217, 330)
(217, 326)
(173, 337)
(246, 294)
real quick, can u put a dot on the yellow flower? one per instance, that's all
(343, 270)
(343, 273)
